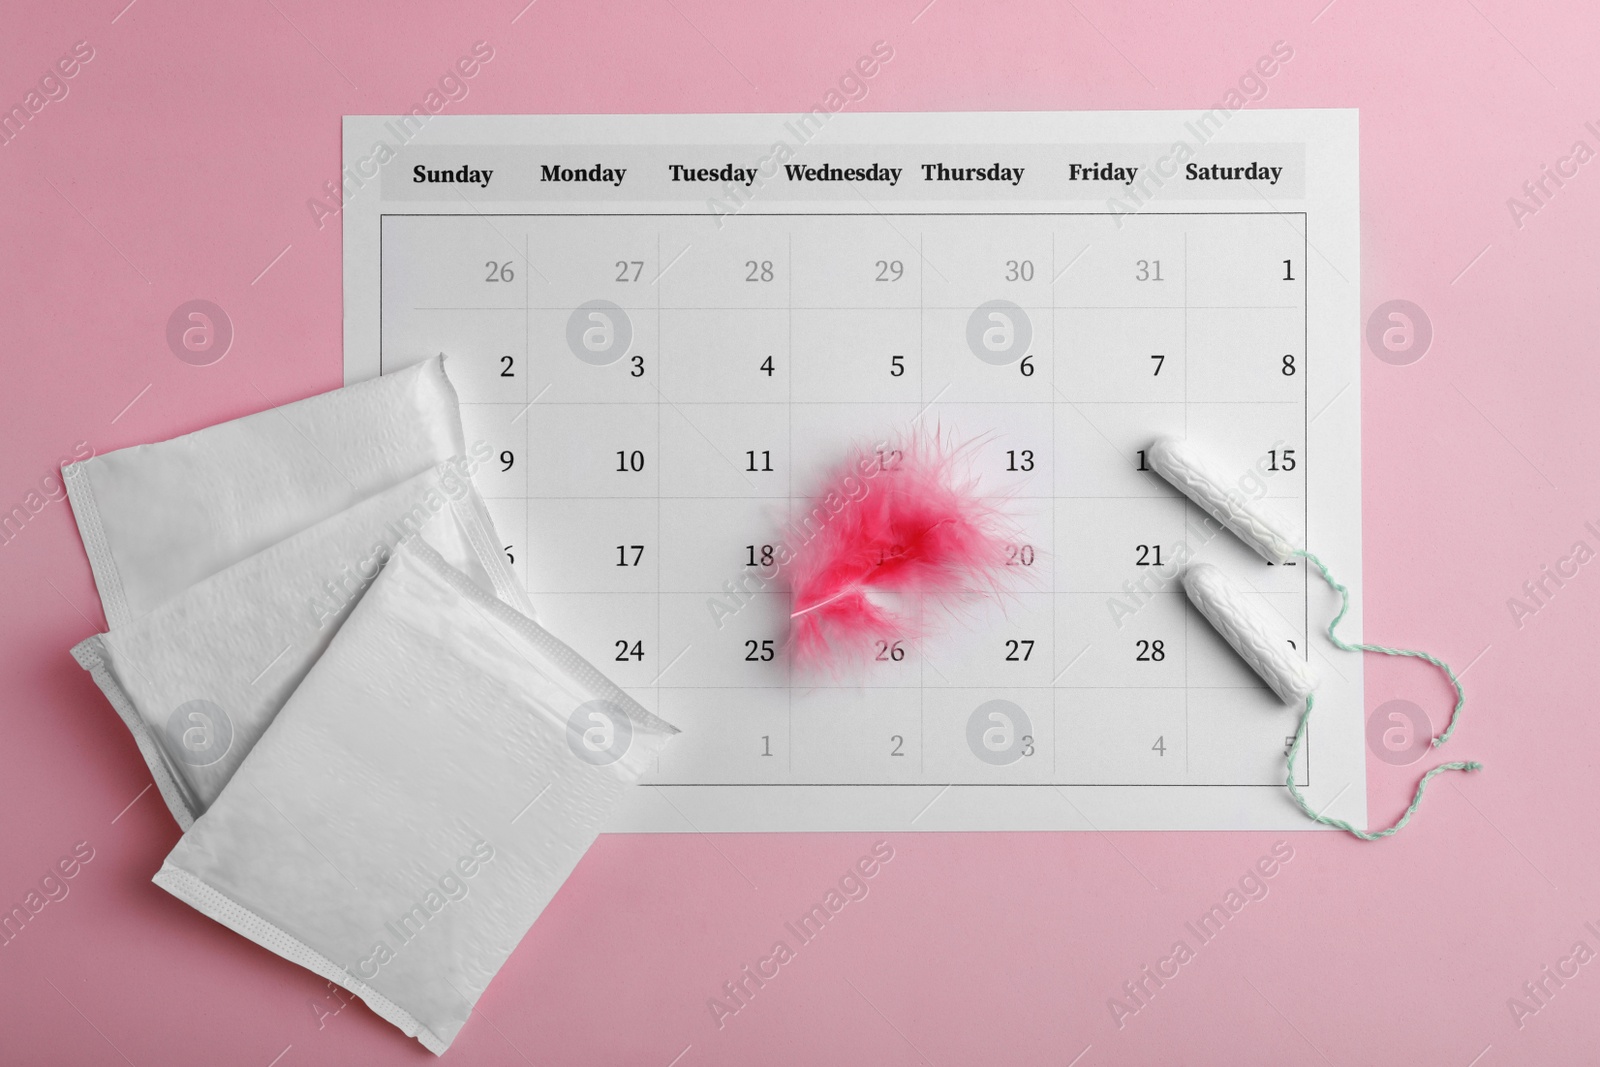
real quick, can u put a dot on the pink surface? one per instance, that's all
(178, 166)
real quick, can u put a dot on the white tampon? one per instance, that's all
(1261, 640)
(1258, 526)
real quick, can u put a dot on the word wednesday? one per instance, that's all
(828, 172)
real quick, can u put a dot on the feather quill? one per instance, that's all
(915, 527)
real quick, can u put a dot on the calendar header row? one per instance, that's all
(727, 178)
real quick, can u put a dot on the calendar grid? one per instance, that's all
(1062, 323)
(1064, 484)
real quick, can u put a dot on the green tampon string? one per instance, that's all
(1300, 731)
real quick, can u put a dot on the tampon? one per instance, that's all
(1256, 525)
(1261, 640)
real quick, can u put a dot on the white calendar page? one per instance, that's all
(667, 329)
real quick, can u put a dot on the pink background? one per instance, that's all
(179, 167)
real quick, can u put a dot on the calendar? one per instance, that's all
(666, 330)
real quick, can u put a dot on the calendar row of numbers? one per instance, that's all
(765, 451)
(1242, 260)
(960, 735)
(737, 640)
(690, 546)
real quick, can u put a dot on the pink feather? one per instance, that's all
(913, 524)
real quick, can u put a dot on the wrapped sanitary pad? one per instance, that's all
(155, 519)
(199, 677)
(419, 799)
